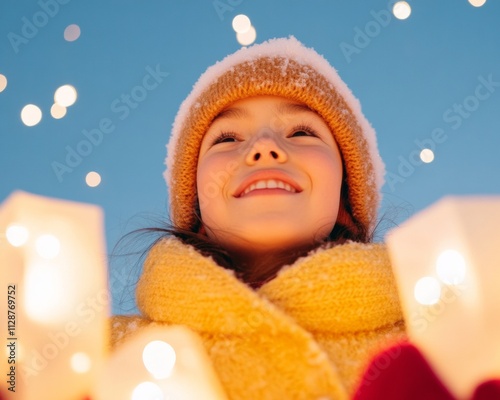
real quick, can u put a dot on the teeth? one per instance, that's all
(269, 184)
(272, 184)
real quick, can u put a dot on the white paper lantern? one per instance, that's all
(55, 300)
(160, 362)
(453, 247)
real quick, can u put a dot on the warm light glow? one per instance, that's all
(44, 293)
(17, 235)
(147, 391)
(427, 155)
(401, 10)
(248, 37)
(159, 358)
(80, 362)
(72, 32)
(93, 179)
(31, 115)
(241, 23)
(48, 246)
(3, 82)
(65, 95)
(57, 111)
(450, 267)
(427, 291)
(477, 3)
(21, 352)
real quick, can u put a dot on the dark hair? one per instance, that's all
(133, 247)
(347, 228)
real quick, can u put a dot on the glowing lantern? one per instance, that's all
(53, 274)
(160, 362)
(446, 260)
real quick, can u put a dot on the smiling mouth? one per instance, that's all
(269, 184)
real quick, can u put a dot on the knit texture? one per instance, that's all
(307, 334)
(280, 67)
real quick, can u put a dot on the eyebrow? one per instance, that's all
(293, 108)
(281, 108)
(233, 112)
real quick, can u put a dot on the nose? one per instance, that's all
(265, 148)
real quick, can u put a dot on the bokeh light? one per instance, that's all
(401, 10)
(65, 95)
(450, 267)
(147, 391)
(80, 362)
(477, 3)
(241, 23)
(427, 291)
(48, 246)
(45, 293)
(17, 235)
(3, 82)
(159, 358)
(57, 111)
(93, 179)
(31, 115)
(72, 32)
(427, 155)
(248, 37)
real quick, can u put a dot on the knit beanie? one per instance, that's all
(281, 67)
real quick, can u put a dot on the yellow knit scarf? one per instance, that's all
(307, 334)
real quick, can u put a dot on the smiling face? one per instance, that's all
(269, 176)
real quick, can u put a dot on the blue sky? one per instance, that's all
(432, 80)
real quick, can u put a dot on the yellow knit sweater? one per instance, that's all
(307, 334)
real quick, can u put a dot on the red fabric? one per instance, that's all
(487, 391)
(402, 372)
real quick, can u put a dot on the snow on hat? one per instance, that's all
(281, 67)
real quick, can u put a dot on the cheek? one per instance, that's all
(326, 169)
(326, 173)
(207, 188)
(213, 176)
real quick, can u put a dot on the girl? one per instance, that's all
(274, 179)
